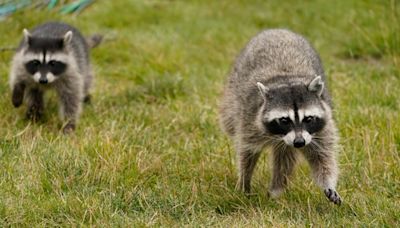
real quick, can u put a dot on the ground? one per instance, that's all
(149, 151)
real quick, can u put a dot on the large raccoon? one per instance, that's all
(53, 55)
(276, 97)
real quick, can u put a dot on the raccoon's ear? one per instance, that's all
(316, 85)
(263, 90)
(27, 35)
(68, 37)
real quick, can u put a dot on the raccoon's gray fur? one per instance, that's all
(275, 97)
(53, 55)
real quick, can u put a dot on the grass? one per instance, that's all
(149, 151)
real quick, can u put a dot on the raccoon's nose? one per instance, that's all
(43, 81)
(299, 142)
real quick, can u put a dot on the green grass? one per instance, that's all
(149, 151)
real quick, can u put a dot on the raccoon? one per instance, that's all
(276, 97)
(55, 56)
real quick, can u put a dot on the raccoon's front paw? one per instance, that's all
(275, 193)
(34, 114)
(87, 99)
(333, 196)
(17, 101)
(69, 128)
(242, 187)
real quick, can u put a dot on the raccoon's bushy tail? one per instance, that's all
(94, 40)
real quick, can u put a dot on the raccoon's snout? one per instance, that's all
(299, 142)
(297, 139)
(43, 81)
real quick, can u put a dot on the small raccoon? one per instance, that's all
(53, 55)
(276, 97)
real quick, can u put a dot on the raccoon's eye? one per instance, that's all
(56, 67)
(53, 63)
(34, 63)
(309, 119)
(32, 66)
(284, 120)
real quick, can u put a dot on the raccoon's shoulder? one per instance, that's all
(276, 38)
(277, 52)
(268, 47)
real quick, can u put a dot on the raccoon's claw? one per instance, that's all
(240, 186)
(333, 196)
(16, 101)
(69, 128)
(33, 114)
(275, 193)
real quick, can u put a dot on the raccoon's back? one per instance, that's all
(276, 52)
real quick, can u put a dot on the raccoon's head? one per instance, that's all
(294, 113)
(45, 58)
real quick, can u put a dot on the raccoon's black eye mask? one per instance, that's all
(283, 125)
(53, 66)
(280, 126)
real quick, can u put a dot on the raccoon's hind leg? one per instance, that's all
(70, 106)
(284, 161)
(321, 158)
(86, 90)
(34, 99)
(248, 156)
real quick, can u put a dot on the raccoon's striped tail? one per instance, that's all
(94, 40)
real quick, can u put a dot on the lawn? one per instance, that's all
(148, 151)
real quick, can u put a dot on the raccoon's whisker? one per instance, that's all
(271, 140)
(317, 145)
(280, 146)
(320, 137)
(273, 137)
